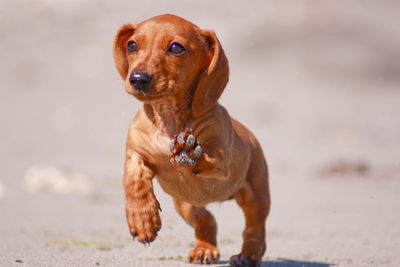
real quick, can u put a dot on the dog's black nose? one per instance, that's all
(140, 80)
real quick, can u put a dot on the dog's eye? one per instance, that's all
(132, 47)
(176, 49)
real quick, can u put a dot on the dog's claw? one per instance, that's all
(147, 241)
(134, 235)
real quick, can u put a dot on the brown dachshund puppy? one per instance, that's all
(185, 139)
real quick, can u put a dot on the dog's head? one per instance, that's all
(167, 56)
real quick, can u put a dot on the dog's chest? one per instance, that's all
(160, 154)
(179, 181)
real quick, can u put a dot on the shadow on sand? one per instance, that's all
(291, 263)
(294, 263)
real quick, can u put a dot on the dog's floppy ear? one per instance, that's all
(121, 38)
(213, 82)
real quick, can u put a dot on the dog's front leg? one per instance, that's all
(205, 229)
(142, 207)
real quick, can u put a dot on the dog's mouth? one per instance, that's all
(147, 95)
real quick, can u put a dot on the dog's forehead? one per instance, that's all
(168, 24)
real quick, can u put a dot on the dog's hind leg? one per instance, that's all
(254, 199)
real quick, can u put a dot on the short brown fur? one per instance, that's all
(183, 94)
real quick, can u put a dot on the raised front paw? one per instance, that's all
(185, 149)
(144, 219)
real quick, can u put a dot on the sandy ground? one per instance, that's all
(316, 81)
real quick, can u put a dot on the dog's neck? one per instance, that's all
(169, 115)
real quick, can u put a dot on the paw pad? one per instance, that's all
(185, 149)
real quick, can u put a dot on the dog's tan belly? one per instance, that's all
(193, 189)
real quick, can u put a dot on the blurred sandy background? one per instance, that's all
(318, 82)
